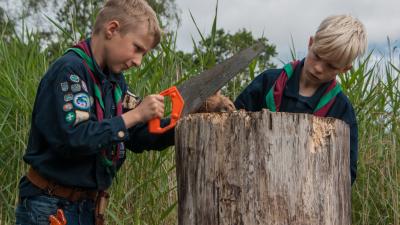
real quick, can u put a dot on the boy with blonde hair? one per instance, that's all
(309, 85)
(80, 127)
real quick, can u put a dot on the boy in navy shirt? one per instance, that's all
(309, 85)
(80, 127)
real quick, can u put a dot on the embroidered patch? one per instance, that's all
(76, 88)
(81, 116)
(67, 107)
(68, 97)
(84, 87)
(91, 100)
(64, 86)
(70, 117)
(82, 101)
(74, 78)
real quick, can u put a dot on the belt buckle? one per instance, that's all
(51, 188)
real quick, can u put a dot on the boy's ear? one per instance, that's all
(111, 28)
(310, 42)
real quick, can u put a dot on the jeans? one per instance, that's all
(35, 210)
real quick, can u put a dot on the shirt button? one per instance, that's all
(121, 134)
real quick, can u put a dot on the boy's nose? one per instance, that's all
(318, 68)
(137, 60)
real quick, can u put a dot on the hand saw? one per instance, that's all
(190, 95)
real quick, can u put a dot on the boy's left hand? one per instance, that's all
(217, 103)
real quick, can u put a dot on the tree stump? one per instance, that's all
(262, 168)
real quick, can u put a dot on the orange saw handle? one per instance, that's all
(177, 107)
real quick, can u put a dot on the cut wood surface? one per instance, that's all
(262, 168)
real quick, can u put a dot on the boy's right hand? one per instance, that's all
(152, 106)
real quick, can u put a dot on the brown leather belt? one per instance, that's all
(70, 193)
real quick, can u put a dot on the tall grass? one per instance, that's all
(373, 88)
(22, 64)
(145, 189)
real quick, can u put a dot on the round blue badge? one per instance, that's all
(82, 101)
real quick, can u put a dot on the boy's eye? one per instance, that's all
(332, 67)
(139, 48)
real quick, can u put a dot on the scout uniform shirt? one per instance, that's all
(67, 142)
(253, 98)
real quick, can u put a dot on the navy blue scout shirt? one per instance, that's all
(66, 139)
(253, 99)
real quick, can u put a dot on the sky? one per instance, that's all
(278, 20)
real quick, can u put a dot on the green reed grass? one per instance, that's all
(373, 88)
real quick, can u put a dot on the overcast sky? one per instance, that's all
(279, 19)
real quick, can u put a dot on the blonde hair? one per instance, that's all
(340, 38)
(129, 13)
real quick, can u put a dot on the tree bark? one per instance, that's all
(262, 168)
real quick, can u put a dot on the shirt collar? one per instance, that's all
(98, 71)
(292, 87)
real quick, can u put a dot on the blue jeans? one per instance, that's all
(35, 210)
